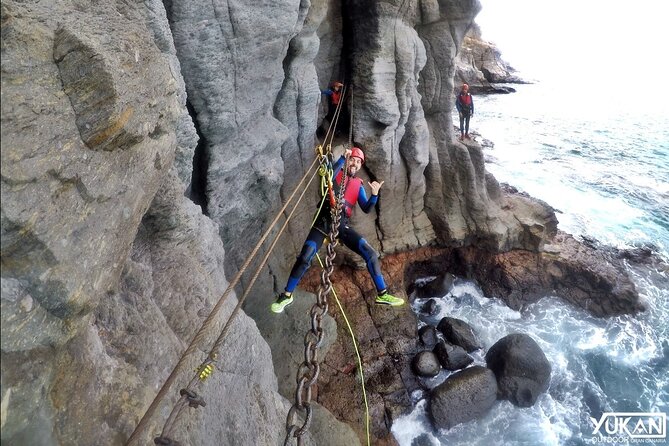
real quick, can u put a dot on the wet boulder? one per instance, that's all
(521, 369)
(464, 396)
(452, 357)
(459, 332)
(430, 307)
(424, 440)
(426, 364)
(438, 287)
(428, 336)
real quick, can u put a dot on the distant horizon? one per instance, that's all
(590, 43)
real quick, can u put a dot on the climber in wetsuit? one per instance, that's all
(465, 105)
(354, 193)
(335, 95)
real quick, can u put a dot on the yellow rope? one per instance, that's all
(357, 354)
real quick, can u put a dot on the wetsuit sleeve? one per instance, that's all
(471, 98)
(366, 204)
(337, 167)
(457, 104)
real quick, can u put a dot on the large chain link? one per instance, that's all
(309, 369)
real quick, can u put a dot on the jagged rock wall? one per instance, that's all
(232, 57)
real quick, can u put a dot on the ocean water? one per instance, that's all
(605, 168)
(604, 165)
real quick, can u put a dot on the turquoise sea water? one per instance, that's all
(605, 167)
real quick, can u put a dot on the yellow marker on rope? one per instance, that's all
(205, 371)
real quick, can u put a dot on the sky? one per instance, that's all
(619, 43)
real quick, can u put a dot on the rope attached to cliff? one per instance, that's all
(187, 395)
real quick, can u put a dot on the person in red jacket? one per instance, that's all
(353, 194)
(335, 95)
(465, 105)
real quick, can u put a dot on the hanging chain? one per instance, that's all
(308, 371)
(350, 125)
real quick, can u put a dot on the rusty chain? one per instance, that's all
(309, 369)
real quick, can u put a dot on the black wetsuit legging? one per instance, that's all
(350, 238)
(464, 121)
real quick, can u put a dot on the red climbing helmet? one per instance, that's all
(337, 84)
(357, 153)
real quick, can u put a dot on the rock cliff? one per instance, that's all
(117, 116)
(479, 63)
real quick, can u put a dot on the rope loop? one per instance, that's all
(194, 400)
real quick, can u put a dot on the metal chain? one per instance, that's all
(350, 125)
(309, 369)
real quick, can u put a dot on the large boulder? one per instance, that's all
(426, 364)
(437, 287)
(428, 336)
(464, 396)
(452, 357)
(521, 369)
(459, 332)
(430, 307)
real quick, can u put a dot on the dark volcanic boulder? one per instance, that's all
(438, 287)
(464, 396)
(423, 440)
(452, 357)
(460, 333)
(426, 364)
(428, 336)
(521, 368)
(430, 307)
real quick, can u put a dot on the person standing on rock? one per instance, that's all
(465, 105)
(354, 193)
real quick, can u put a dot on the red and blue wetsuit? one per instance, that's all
(354, 193)
(465, 105)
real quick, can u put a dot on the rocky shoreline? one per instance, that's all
(590, 277)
